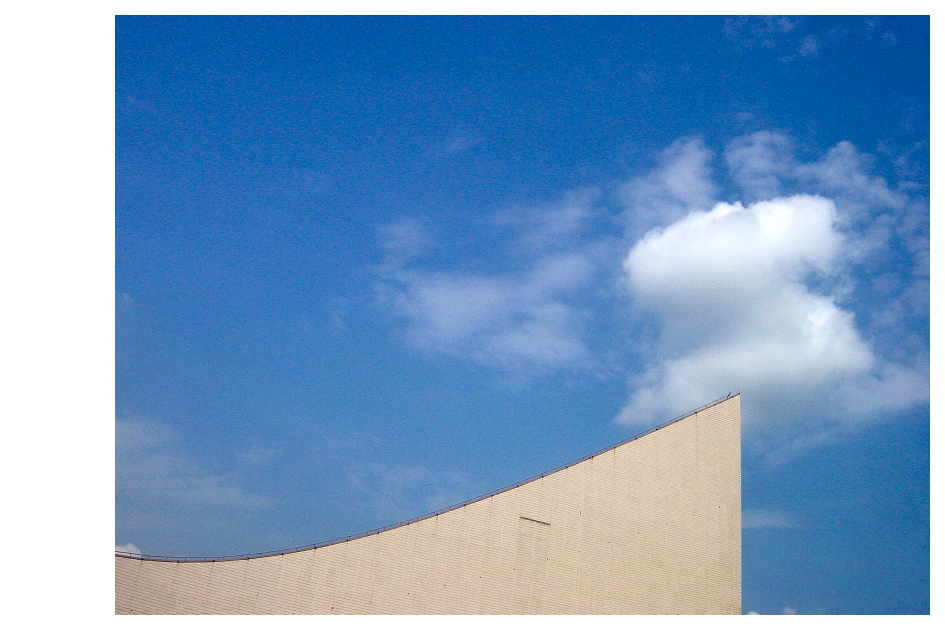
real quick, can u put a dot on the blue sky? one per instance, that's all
(369, 267)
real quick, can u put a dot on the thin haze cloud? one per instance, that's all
(395, 493)
(156, 480)
(755, 518)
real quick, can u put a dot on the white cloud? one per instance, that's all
(553, 226)
(396, 493)
(151, 467)
(759, 299)
(758, 163)
(754, 518)
(761, 31)
(844, 172)
(458, 144)
(764, 166)
(452, 146)
(510, 321)
(779, 35)
(679, 185)
(789, 610)
(886, 234)
(810, 46)
(523, 320)
(257, 455)
(402, 240)
(727, 287)
(809, 295)
(128, 548)
(174, 503)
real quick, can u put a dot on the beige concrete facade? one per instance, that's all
(651, 526)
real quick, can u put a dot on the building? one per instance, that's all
(649, 526)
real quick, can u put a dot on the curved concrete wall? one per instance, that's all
(652, 526)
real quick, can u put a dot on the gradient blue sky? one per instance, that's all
(369, 267)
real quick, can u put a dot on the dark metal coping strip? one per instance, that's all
(378, 530)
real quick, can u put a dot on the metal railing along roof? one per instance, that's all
(378, 530)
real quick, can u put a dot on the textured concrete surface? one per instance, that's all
(652, 526)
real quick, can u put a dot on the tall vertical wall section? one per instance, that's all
(651, 526)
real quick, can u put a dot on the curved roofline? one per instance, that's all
(378, 530)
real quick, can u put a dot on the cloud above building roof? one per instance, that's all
(800, 290)
(769, 297)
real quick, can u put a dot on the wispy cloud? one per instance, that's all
(522, 320)
(756, 518)
(810, 46)
(458, 144)
(758, 163)
(680, 184)
(151, 464)
(555, 226)
(395, 493)
(760, 31)
(257, 455)
(509, 321)
(169, 501)
(781, 35)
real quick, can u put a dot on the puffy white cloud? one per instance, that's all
(727, 256)
(759, 298)
(728, 288)
(886, 232)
